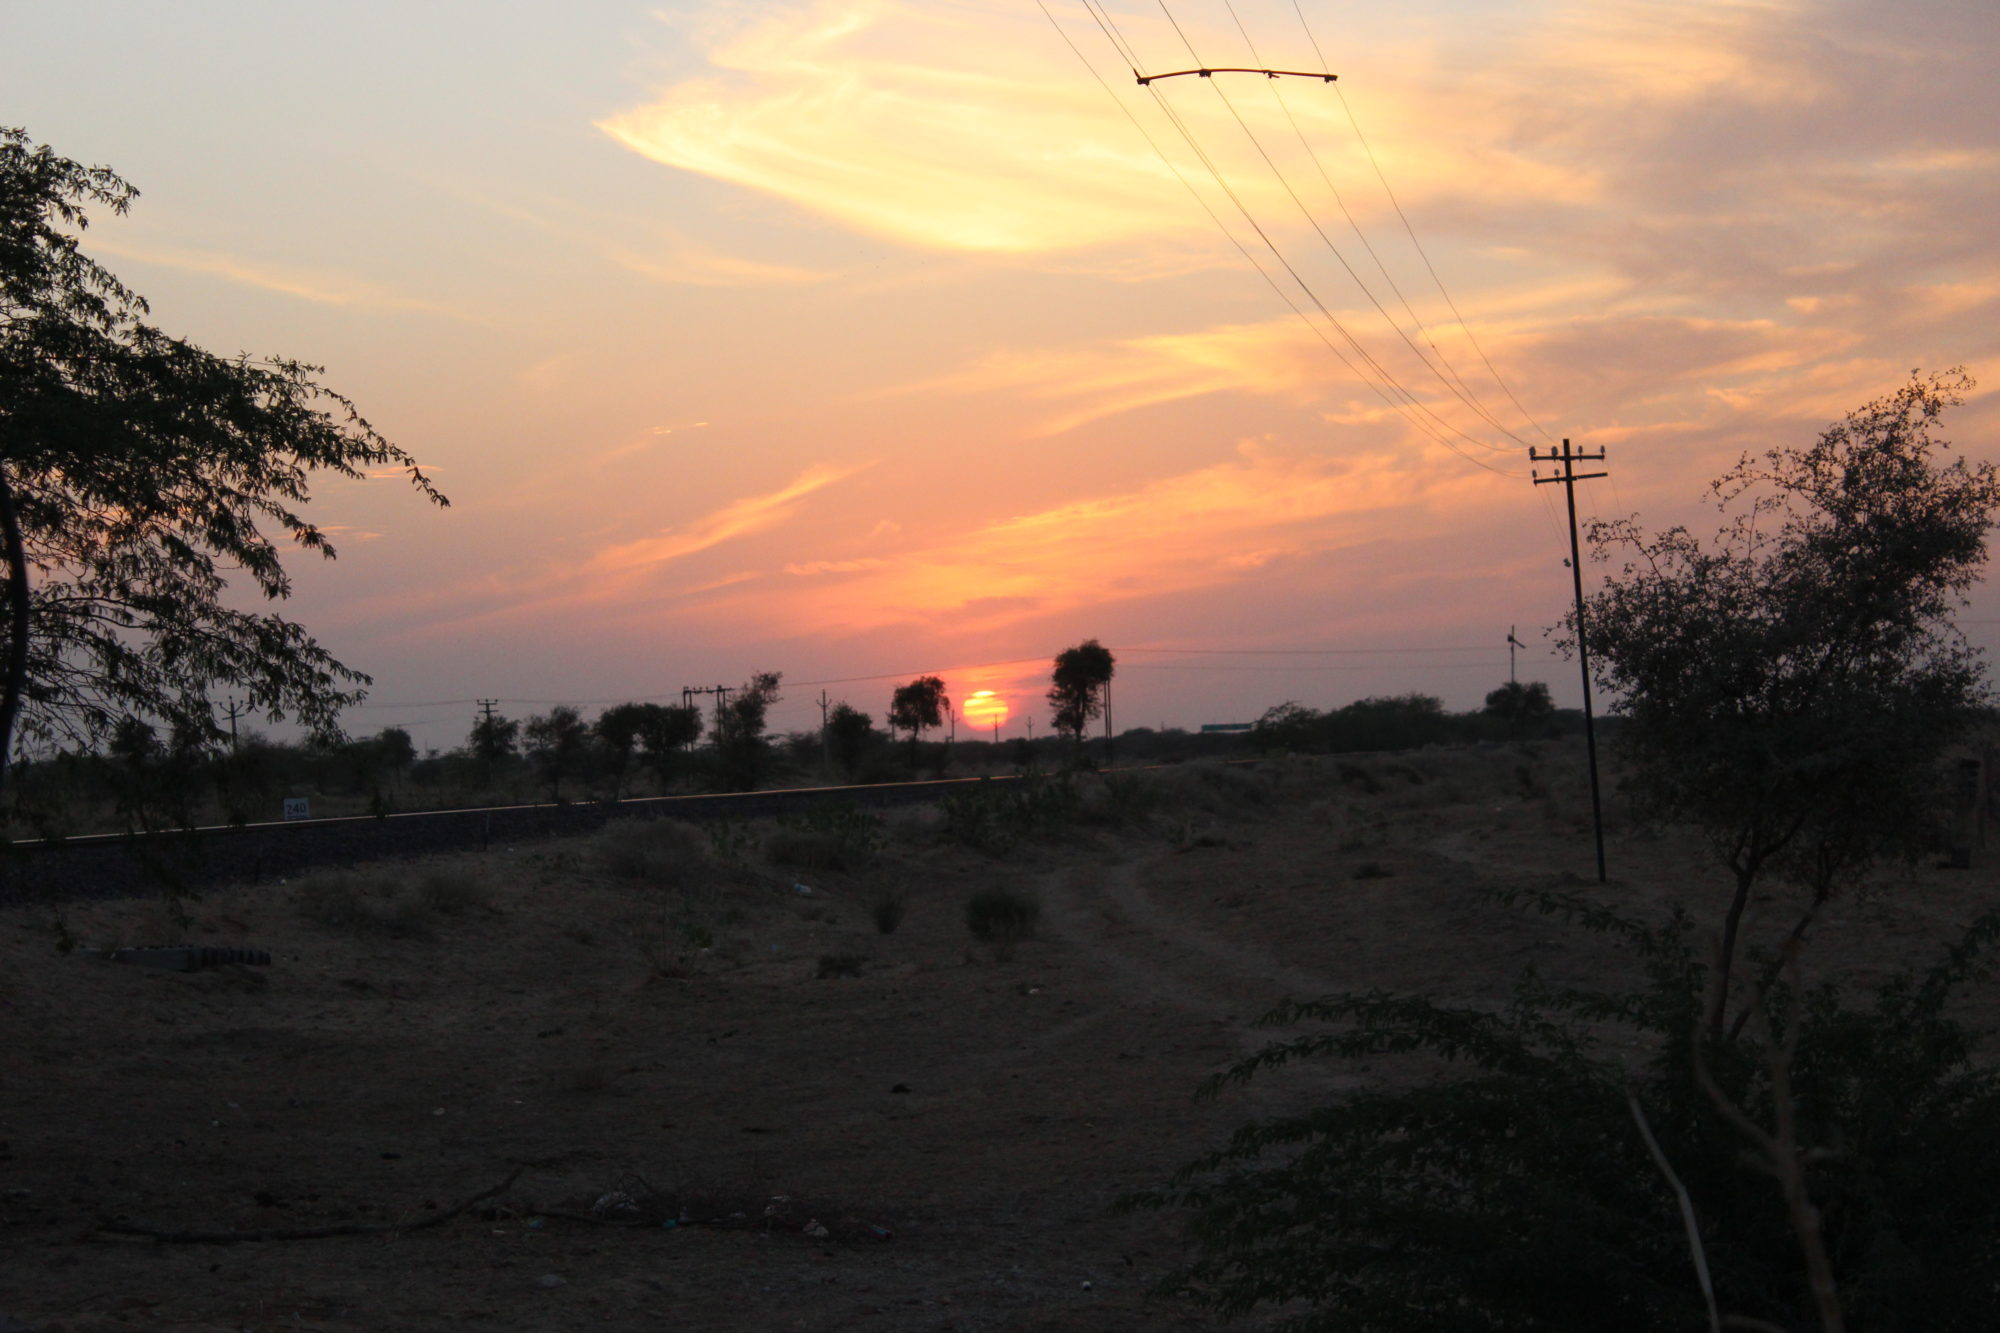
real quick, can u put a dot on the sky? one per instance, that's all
(861, 339)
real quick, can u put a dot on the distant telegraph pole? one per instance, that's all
(721, 693)
(825, 740)
(1569, 477)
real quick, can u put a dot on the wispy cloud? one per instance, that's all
(870, 112)
(323, 288)
(697, 266)
(616, 566)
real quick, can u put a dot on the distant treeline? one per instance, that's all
(139, 780)
(1410, 721)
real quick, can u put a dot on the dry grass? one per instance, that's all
(373, 902)
(671, 853)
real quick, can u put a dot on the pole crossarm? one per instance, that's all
(1323, 77)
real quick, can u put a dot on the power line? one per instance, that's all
(1279, 174)
(1382, 382)
(1411, 232)
(1464, 391)
(1173, 118)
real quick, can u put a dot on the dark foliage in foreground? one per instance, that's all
(1515, 1192)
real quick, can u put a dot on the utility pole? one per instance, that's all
(1512, 644)
(232, 713)
(1569, 478)
(825, 741)
(721, 693)
(1108, 742)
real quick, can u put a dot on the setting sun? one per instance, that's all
(984, 708)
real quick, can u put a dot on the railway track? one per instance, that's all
(114, 865)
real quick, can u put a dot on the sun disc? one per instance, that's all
(984, 708)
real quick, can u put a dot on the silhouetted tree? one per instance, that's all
(918, 706)
(619, 727)
(1076, 694)
(1520, 705)
(849, 734)
(397, 749)
(741, 755)
(556, 741)
(135, 472)
(1789, 688)
(1287, 726)
(669, 731)
(493, 739)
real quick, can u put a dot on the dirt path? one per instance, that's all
(1163, 960)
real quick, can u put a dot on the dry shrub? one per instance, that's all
(452, 891)
(1215, 789)
(365, 902)
(887, 906)
(1002, 918)
(667, 852)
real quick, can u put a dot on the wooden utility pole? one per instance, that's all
(1512, 644)
(232, 712)
(825, 741)
(1109, 752)
(1569, 477)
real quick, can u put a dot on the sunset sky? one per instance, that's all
(867, 338)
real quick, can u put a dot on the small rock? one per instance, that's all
(549, 1281)
(816, 1229)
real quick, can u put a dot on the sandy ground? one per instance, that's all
(956, 1118)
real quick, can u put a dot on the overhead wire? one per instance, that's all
(1449, 375)
(1411, 232)
(1109, 26)
(1410, 407)
(1385, 376)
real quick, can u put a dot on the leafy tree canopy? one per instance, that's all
(1520, 703)
(1789, 687)
(741, 754)
(494, 738)
(918, 706)
(1076, 689)
(849, 732)
(137, 473)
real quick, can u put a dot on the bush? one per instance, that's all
(1002, 916)
(451, 891)
(996, 816)
(1520, 1194)
(365, 903)
(886, 907)
(830, 836)
(656, 851)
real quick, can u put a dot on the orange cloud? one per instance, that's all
(874, 113)
(619, 565)
(1208, 527)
